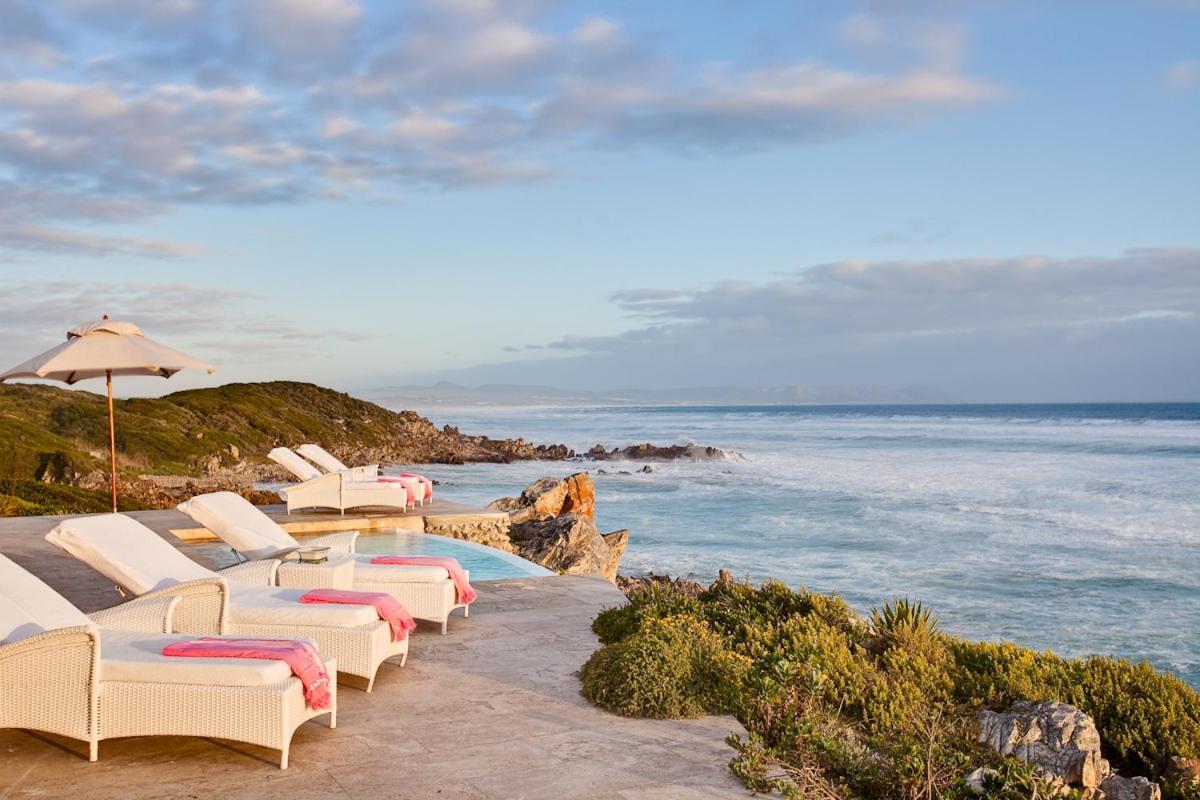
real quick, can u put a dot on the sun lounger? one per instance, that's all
(104, 676)
(138, 560)
(335, 489)
(427, 592)
(419, 486)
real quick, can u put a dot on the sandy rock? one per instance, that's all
(575, 494)
(1057, 738)
(977, 780)
(617, 542)
(1185, 769)
(1115, 787)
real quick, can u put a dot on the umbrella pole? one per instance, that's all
(112, 441)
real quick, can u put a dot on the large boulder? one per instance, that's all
(1115, 787)
(571, 544)
(552, 523)
(574, 494)
(1057, 738)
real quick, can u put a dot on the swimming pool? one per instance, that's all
(485, 563)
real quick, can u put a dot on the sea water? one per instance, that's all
(1069, 527)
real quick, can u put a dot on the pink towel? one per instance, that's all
(428, 484)
(406, 483)
(302, 657)
(388, 607)
(462, 586)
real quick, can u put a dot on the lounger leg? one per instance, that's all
(371, 683)
(283, 755)
(93, 750)
(466, 611)
(403, 659)
(333, 718)
(445, 619)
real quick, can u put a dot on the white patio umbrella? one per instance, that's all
(104, 349)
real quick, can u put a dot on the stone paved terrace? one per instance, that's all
(491, 710)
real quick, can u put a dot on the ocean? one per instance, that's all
(1069, 527)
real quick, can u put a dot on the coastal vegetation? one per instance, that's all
(214, 438)
(887, 706)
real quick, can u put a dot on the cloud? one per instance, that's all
(221, 324)
(1027, 327)
(1183, 75)
(284, 101)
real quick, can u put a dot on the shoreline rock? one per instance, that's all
(553, 523)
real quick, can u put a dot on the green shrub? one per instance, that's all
(883, 708)
(1144, 716)
(670, 668)
(654, 602)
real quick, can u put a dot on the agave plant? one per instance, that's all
(903, 615)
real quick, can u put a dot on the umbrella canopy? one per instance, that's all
(104, 348)
(100, 350)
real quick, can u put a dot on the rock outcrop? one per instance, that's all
(1057, 738)
(653, 452)
(1115, 787)
(634, 584)
(553, 523)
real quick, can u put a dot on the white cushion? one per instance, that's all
(237, 522)
(137, 657)
(28, 606)
(366, 572)
(321, 457)
(126, 552)
(294, 464)
(259, 605)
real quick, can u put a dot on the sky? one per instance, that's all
(995, 198)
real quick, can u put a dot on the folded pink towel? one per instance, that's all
(388, 607)
(428, 484)
(462, 586)
(302, 657)
(405, 482)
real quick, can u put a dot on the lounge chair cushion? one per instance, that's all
(294, 464)
(236, 521)
(366, 572)
(28, 606)
(260, 605)
(137, 657)
(126, 552)
(322, 458)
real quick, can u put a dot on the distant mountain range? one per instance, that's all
(445, 393)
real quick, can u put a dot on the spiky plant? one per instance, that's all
(903, 616)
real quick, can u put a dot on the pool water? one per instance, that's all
(484, 563)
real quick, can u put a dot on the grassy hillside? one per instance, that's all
(58, 436)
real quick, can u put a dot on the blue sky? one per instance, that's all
(998, 199)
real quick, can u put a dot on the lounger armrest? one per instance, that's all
(255, 573)
(340, 542)
(203, 607)
(49, 647)
(368, 473)
(144, 614)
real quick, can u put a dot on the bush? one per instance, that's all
(883, 708)
(670, 668)
(654, 602)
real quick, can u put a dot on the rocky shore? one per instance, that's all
(217, 439)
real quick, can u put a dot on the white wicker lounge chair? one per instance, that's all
(427, 592)
(334, 490)
(419, 486)
(104, 676)
(138, 560)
